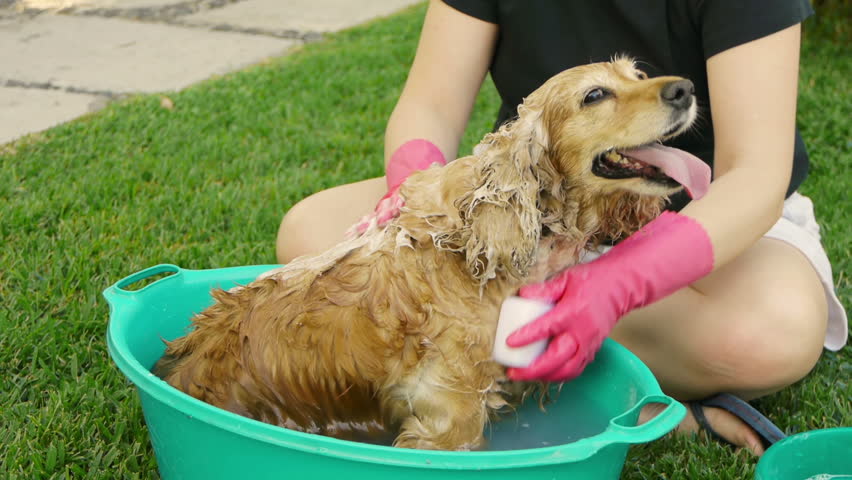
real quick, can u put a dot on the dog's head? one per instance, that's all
(604, 123)
(582, 160)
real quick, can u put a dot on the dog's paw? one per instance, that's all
(409, 440)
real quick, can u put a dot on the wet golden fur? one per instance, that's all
(391, 332)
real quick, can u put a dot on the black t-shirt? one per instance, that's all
(540, 38)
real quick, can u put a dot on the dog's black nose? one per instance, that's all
(678, 94)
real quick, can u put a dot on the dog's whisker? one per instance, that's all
(344, 392)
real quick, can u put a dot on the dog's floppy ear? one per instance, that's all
(501, 221)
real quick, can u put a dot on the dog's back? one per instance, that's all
(313, 353)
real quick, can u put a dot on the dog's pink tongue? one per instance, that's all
(684, 168)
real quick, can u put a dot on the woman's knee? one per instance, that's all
(319, 221)
(294, 232)
(772, 343)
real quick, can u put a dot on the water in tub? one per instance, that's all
(576, 418)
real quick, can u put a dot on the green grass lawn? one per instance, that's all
(204, 185)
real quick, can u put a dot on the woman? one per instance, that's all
(752, 315)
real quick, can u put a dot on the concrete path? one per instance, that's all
(65, 58)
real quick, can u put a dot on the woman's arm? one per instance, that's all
(432, 112)
(753, 97)
(753, 90)
(452, 59)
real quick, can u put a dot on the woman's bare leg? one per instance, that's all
(318, 222)
(750, 328)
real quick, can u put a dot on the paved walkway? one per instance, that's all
(64, 58)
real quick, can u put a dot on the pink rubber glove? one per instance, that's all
(666, 255)
(411, 156)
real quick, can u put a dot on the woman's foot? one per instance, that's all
(725, 424)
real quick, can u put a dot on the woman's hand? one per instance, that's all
(412, 156)
(666, 255)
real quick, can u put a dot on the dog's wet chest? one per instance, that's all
(555, 253)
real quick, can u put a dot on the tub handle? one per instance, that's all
(119, 288)
(621, 428)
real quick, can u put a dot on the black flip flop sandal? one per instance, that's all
(765, 429)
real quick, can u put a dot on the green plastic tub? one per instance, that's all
(815, 455)
(584, 434)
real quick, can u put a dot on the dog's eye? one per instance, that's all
(595, 95)
(642, 75)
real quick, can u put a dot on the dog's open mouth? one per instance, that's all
(657, 163)
(614, 164)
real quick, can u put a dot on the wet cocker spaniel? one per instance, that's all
(391, 332)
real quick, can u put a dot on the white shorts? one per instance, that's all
(798, 227)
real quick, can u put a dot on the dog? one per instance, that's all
(389, 335)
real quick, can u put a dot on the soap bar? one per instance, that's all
(515, 313)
